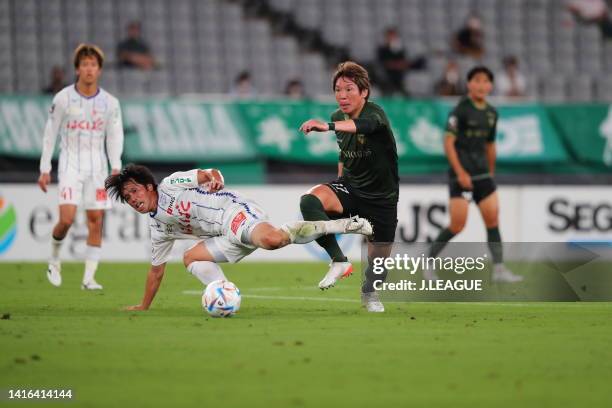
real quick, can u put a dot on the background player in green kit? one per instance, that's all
(368, 182)
(470, 148)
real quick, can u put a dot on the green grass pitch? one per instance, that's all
(292, 345)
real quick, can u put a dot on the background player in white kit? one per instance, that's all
(88, 120)
(191, 205)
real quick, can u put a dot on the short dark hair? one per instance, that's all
(88, 50)
(480, 69)
(132, 172)
(354, 72)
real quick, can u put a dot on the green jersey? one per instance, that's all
(473, 128)
(370, 160)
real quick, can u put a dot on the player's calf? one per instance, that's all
(266, 236)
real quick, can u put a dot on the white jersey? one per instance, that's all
(90, 130)
(186, 210)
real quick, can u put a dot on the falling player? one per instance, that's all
(193, 205)
(88, 121)
(470, 148)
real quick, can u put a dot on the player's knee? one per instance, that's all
(65, 222)
(491, 223)
(272, 240)
(456, 227)
(307, 201)
(188, 258)
(94, 223)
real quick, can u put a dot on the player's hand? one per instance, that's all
(314, 125)
(136, 308)
(114, 172)
(216, 182)
(465, 181)
(43, 180)
(215, 185)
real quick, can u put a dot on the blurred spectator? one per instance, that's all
(592, 12)
(134, 52)
(295, 89)
(469, 40)
(57, 82)
(395, 63)
(450, 83)
(243, 87)
(511, 81)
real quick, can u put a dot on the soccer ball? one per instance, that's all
(221, 298)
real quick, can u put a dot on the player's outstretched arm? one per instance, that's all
(213, 178)
(360, 125)
(154, 278)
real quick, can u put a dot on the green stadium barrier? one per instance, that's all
(531, 137)
(586, 130)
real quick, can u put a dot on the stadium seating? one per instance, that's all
(201, 45)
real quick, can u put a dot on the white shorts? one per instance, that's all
(87, 191)
(238, 225)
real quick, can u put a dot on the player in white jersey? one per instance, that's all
(193, 205)
(88, 122)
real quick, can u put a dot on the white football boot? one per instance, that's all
(337, 270)
(54, 273)
(503, 274)
(91, 285)
(353, 225)
(372, 302)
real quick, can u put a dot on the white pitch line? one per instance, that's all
(323, 299)
(333, 299)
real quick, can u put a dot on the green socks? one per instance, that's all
(495, 245)
(440, 242)
(312, 210)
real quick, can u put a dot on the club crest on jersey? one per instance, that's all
(361, 139)
(238, 220)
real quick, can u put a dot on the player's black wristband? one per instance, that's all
(331, 125)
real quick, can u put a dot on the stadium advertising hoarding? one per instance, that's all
(528, 214)
(525, 134)
(180, 129)
(157, 130)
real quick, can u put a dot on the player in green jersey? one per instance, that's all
(470, 148)
(368, 181)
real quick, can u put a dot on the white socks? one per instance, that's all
(56, 246)
(206, 271)
(92, 257)
(302, 232)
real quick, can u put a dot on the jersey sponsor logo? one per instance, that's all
(238, 220)
(180, 180)
(97, 124)
(184, 217)
(101, 194)
(356, 154)
(184, 207)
